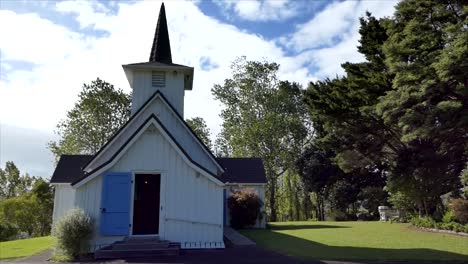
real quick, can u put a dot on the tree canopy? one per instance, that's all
(198, 125)
(100, 111)
(403, 112)
(263, 117)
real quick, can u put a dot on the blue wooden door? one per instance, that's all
(115, 203)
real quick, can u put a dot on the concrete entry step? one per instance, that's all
(138, 247)
(143, 245)
(236, 238)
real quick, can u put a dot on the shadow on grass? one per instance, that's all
(303, 226)
(306, 249)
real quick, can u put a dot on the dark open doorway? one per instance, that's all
(146, 204)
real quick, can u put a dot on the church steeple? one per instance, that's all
(159, 73)
(161, 49)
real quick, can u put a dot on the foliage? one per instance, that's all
(24, 247)
(460, 210)
(12, 184)
(464, 181)
(428, 105)
(73, 231)
(371, 198)
(263, 117)
(317, 172)
(42, 192)
(244, 208)
(99, 112)
(293, 201)
(425, 221)
(31, 212)
(359, 242)
(21, 212)
(7, 231)
(198, 125)
(401, 201)
(403, 113)
(428, 222)
(448, 217)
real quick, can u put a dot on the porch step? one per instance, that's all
(132, 248)
(140, 245)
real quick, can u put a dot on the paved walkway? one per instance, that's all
(236, 238)
(38, 258)
(235, 255)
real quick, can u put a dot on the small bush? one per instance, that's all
(460, 210)
(8, 231)
(244, 208)
(425, 222)
(448, 217)
(73, 232)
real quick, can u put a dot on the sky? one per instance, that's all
(48, 49)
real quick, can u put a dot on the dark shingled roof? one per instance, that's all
(161, 49)
(238, 170)
(243, 170)
(70, 168)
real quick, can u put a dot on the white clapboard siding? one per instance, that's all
(64, 200)
(143, 88)
(192, 204)
(173, 125)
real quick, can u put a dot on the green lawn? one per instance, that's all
(359, 241)
(24, 247)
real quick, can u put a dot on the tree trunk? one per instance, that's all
(272, 202)
(306, 206)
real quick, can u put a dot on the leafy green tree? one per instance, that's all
(21, 212)
(12, 184)
(427, 53)
(43, 193)
(100, 111)
(318, 174)
(263, 117)
(198, 125)
(11, 179)
(403, 112)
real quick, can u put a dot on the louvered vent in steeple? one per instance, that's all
(158, 79)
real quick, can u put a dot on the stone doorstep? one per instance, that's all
(138, 247)
(132, 253)
(148, 245)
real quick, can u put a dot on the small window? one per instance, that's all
(158, 79)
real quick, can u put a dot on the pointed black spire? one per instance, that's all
(161, 50)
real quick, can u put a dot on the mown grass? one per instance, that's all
(359, 241)
(24, 247)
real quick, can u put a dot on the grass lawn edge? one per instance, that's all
(25, 247)
(309, 241)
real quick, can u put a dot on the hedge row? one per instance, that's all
(427, 222)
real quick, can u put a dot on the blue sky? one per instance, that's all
(50, 48)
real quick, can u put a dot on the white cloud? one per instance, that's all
(261, 10)
(334, 23)
(326, 25)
